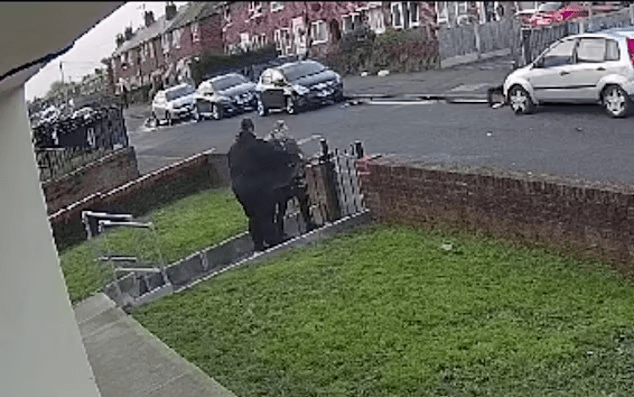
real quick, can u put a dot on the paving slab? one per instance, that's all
(127, 360)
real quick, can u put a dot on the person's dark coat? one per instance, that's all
(250, 164)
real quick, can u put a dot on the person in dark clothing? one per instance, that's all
(252, 180)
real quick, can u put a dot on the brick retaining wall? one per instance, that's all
(579, 218)
(103, 174)
(140, 196)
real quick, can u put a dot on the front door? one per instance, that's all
(551, 77)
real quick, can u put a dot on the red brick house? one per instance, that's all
(162, 49)
(297, 26)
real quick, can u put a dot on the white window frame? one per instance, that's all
(195, 30)
(442, 12)
(401, 24)
(378, 28)
(412, 23)
(151, 49)
(458, 5)
(176, 38)
(374, 4)
(226, 13)
(263, 39)
(277, 6)
(314, 26)
(352, 16)
(166, 41)
(255, 8)
(131, 57)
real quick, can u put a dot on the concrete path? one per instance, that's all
(129, 361)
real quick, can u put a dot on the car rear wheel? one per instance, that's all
(216, 111)
(291, 106)
(616, 102)
(262, 110)
(520, 101)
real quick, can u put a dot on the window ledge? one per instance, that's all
(320, 41)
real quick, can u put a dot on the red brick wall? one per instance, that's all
(586, 220)
(140, 196)
(103, 174)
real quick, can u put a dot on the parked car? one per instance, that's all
(85, 113)
(228, 94)
(296, 85)
(585, 68)
(50, 115)
(174, 103)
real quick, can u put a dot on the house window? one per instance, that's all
(377, 24)
(351, 22)
(414, 19)
(319, 32)
(282, 39)
(461, 8)
(263, 39)
(255, 42)
(442, 12)
(277, 6)
(397, 14)
(131, 57)
(151, 49)
(227, 13)
(166, 40)
(255, 8)
(195, 28)
(176, 38)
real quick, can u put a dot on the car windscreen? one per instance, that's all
(226, 82)
(297, 71)
(178, 92)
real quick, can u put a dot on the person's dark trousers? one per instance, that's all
(259, 206)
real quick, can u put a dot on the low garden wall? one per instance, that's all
(104, 174)
(574, 217)
(140, 196)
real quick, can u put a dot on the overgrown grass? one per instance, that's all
(388, 311)
(183, 227)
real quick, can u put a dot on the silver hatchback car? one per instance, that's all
(585, 68)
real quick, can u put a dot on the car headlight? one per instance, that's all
(223, 98)
(300, 89)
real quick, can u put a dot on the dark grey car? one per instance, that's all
(224, 95)
(295, 86)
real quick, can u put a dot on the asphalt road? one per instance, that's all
(574, 141)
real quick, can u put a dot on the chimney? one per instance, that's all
(149, 18)
(170, 11)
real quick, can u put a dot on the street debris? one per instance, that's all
(489, 133)
(364, 74)
(446, 247)
(579, 129)
(383, 73)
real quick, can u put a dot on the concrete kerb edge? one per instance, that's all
(165, 350)
(328, 230)
(365, 98)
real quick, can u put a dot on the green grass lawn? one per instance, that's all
(386, 311)
(183, 227)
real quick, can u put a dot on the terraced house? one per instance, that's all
(162, 50)
(316, 26)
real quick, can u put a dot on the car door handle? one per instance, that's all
(563, 73)
(601, 69)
